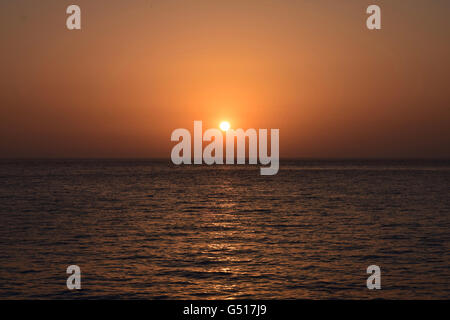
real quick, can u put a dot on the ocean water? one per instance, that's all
(149, 230)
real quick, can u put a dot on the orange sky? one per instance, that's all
(139, 69)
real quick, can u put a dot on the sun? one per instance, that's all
(224, 125)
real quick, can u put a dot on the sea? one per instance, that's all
(147, 229)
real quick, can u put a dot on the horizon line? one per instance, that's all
(281, 158)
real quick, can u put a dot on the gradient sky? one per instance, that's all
(139, 69)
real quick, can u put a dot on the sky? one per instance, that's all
(140, 69)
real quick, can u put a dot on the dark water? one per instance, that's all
(146, 229)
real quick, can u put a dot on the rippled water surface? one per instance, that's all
(147, 229)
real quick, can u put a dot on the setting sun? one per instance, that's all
(224, 125)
